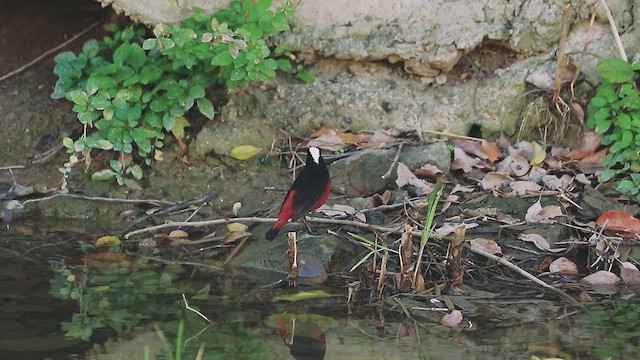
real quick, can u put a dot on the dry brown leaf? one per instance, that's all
(525, 187)
(592, 164)
(629, 273)
(428, 171)
(462, 161)
(486, 245)
(406, 249)
(524, 149)
(589, 144)
(331, 142)
(601, 277)
(336, 210)
(351, 138)
(406, 177)
(452, 319)
(461, 188)
(519, 166)
(492, 150)
(494, 180)
(564, 266)
(577, 110)
(381, 137)
(582, 179)
(555, 183)
(538, 214)
(383, 199)
(471, 147)
(535, 174)
(539, 241)
(325, 131)
(450, 228)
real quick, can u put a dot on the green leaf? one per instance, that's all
(116, 165)
(624, 121)
(78, 145)
(68, 143)
(196, 91)
(627, 138)
(91, 48)
(306, 76)
(244, 152)
(150, 74)
(284, 65)
(99, 82)
(149, 44)
(121, 53)
(88, 117)
(132, 184)
(103, 175)
(136, 171)
(78, 97)
(153, 120)
(222, 59)
(237, 74)
(616, 70)
(65, 57)
(104, 144)
(136, 57)
(206, 108)
(168, 122)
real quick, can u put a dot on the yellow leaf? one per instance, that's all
(178, 127)
(237, 227)
(179, 234)
(306, 295)
(539, 154)
(108, 241)
(244, 152)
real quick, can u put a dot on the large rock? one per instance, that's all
(462, 62)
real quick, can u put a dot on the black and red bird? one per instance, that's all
(309, 191)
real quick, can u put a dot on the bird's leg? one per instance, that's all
(306, 223)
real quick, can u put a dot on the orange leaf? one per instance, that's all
(492, 150)
(621, 222)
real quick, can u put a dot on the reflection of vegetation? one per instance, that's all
(232, 339)
(116, 294)
(620, 327)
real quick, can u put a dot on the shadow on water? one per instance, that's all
(59, 303)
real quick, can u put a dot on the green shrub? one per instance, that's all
(129, 92)
(615, 112)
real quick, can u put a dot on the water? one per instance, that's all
(59, 302)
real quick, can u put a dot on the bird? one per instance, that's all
(309, 191)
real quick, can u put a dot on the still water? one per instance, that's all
(61, 299)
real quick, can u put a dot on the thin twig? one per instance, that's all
(614, 29)
(394, 162)
(48, 52)
(584, 50)
(11, 167)
(444, 133)
(186, 306)
(98, 198)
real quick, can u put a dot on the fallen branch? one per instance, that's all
(175, 224)
(48, 52)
